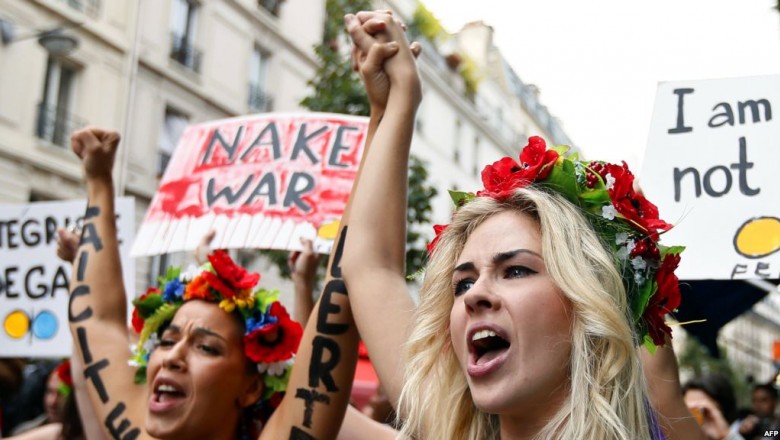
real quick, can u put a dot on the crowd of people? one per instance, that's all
(541, 314)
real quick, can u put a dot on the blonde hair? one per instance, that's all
(607, 395)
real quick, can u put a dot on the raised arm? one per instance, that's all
(663, 383)
(97, 309)
(373, 264)
(303, 269)
(321, 380)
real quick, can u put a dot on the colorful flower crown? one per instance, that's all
(625, 220)
(271, 338)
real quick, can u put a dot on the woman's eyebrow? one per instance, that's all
(207, 332)
(508, 255)
(464, 267)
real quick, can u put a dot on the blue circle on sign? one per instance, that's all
(44, 325)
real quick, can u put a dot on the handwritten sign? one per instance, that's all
(713, 167)
(35, 283)
(262, 181)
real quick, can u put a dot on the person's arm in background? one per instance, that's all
(303, 270)
(374, 256)
(203, 249)
(663, 383)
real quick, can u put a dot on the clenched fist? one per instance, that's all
(96, 148)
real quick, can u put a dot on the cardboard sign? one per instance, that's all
(36, 283)
(712, 166)
(262, 181)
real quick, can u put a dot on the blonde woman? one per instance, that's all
(535, 296)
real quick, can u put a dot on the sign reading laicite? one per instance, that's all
(35, 282)
(712, 166)
(261, 181)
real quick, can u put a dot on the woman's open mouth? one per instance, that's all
(487, 352)
(165, 397)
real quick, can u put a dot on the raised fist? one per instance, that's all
(96, 148)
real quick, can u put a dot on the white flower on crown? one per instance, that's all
(608, 212)
(189, 274)
(639, 278)
(639, 263)
(624, 251)
(275, 368)
(610, 181)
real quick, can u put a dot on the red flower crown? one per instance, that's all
(626, 220)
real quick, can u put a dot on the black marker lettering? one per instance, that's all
(297, 433)
(680, 128)
(90, 235)
(327, 308)
(230, 149)
(319, 369)
(310, 396)
(335, 268)
(301, 143)
(118, 432)
(92, 211)
(83, 258)
(92, 373)
(81, 334)
(86, 313)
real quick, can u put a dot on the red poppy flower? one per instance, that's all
(198, 288)
(274, 342)
(234, 275)
(633, 206)
(138, 320)
(217, 283)
(536, 160)
(438, 229)
(63, 373)
(665, 300)
(497, 177)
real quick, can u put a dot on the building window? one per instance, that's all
(183, 28)
(272, 6)
(55, 120)
(173, 127)
(89, 7)
(259, 100)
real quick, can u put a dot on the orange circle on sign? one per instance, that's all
(16, 324)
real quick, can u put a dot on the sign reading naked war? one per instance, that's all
(712, 166)
(261, 181)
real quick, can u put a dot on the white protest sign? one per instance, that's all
(712, 166)
(35, 283)
(261, 182)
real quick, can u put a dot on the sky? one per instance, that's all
(598, 63)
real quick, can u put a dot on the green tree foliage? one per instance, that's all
(337, 89)
(696, 361)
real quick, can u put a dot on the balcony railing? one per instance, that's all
(89, 7)
(183, 52)
(259, 101)
(56, 123)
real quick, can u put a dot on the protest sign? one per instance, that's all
(261, 181)
(712, 166)
(36, 283)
